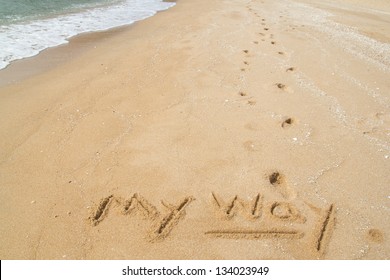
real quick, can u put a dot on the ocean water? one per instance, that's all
(29, 26)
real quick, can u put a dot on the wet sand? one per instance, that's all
(213, 130)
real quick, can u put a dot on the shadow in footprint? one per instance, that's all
(284, 87)
(276, 178)
(287, 122)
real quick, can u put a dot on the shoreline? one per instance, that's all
(53, 57)
(214, 130)
(49, 58)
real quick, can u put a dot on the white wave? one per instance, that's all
(28, 39)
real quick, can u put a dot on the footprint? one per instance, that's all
(287, 122)
(241, 93)
(266, 29)
(291, 69)
(246, 62)
(375, 235)
(276, 178)
(384, 117)
(281, 53)
(251, 102)
(255, 42)
(245, 51)
(278, 181)
(284, 87)
(242, 69)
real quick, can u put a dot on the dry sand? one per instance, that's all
(214, 130)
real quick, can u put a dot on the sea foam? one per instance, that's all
(28, 39)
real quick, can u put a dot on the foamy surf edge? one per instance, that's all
(18, 41)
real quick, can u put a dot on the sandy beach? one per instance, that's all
(213, 130)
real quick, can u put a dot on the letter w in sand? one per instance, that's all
(227, 210)
(162, 223)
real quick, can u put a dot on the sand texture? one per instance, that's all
(214, 130)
